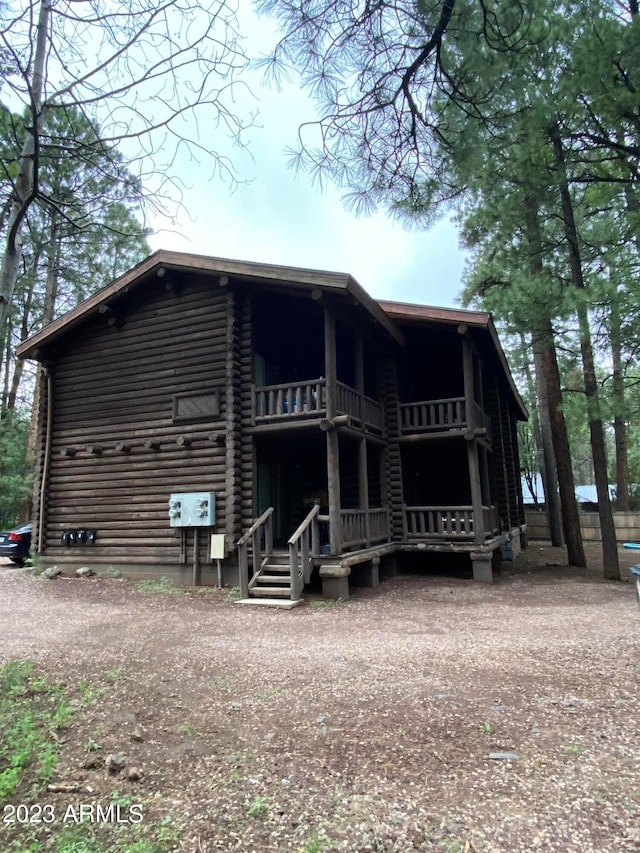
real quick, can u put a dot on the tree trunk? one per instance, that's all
(25, 188)
(551, 398)
(48, 315)
(548, 468)
(566, 484)
(6, 356)
(611, 567)
(18, 369)
(53, 269)
(619, 423)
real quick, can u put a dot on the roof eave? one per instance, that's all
(326, 281)
(407, 312)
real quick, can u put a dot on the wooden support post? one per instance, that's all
(268, 537)
(485, 477)
(476, 491)
(243, 571)
(333, 454)
(359, 375)
(472, 441)
(333, 489)
(467, 370)
(363, 487)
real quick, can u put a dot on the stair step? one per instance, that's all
(271, 591)
(274, 578)
(281, 603)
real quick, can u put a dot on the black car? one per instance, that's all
(15, 544)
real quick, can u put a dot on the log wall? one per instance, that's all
(393, 456)
(118, 449)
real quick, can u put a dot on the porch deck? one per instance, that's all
(265, 571)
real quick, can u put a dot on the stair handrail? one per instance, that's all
(304, 545)
(253, 535)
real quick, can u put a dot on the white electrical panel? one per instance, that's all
(192, 509)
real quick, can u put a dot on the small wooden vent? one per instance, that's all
(188, 408)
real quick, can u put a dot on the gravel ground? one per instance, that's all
(363, 726)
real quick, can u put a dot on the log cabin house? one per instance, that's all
(297, 426)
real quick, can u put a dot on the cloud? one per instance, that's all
(279, 217)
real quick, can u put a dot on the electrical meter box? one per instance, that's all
(192, 509)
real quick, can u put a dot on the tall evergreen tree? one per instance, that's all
(519, 107)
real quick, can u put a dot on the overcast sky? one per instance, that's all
(279, 217)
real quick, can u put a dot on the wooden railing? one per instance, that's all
(481, 419)
(361, 527)
(359, 406)
(491, 521)
(442, 415)
(304, 545)
(446, 522)
(290, 400)
(261, 529)
(354, 527)
(433, 415)
(309, 399)
(378, 525)
(372, 413)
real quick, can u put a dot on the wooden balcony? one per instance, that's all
(295, 401)
(447, 523)
(431, 416)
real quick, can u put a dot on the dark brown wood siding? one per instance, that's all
(41, 402)
(247, 379)
(393, 456)
(115, 389)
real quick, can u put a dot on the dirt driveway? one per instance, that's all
(429, 714)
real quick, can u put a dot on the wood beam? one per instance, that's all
(363, 485)
(333, 452)
(467, 371)
(476, 492)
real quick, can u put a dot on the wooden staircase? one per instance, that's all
(277, 577)
(273, 579)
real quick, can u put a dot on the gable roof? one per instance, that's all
(387, 314)
(147, 271)
(481, 320)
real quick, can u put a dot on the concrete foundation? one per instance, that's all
(335, 588)
(390, 566)
(482, 565)
(335, 581)
(366, 574)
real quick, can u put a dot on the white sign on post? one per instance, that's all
(217, 553)
(217, 546)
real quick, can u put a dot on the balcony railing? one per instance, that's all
(359, 406)
(440, 416)
(447, 522)
(361, 527)
(290, 400)
(295, 400)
